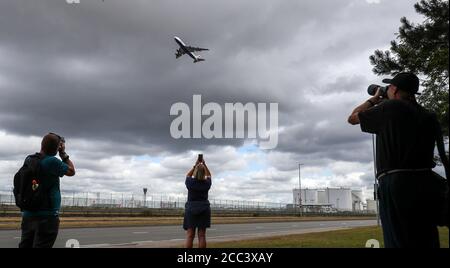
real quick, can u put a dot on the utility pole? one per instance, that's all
(375, 185)
(300, 190)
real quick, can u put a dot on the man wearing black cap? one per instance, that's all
(405, 139)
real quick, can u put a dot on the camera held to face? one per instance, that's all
(62, 142)
(372, 90)
(62, 145)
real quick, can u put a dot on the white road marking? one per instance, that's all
(140, 232)
(259, 227)
(95, 245)
(16, 237)
(176, 239)
(141, 242)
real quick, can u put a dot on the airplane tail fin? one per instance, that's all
(198, 59)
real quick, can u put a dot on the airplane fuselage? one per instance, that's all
(183, 47)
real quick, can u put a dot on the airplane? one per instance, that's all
(188, 50)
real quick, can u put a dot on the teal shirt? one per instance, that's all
(51, 170)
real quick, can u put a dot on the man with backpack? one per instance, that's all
(37, 192)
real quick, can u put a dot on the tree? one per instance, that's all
(422, 49)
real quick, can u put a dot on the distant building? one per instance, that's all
(357, 200)
(372, 205)
(341, 199)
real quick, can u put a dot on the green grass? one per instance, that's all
(348, 238)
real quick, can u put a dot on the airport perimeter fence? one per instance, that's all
(167, 205)
(110, 200)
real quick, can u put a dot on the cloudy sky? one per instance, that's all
(104, 75)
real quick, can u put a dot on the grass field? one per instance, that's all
(349, 238)
(85, 222)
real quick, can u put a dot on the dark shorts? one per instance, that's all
(197, 214)
(406, 210)
(39, 232)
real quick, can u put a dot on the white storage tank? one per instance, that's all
(322, 197)
(309, 196)
(371, 205)
(343, 199)
(357, 200)
(340, 198)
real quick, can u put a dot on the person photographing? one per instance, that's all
(197, 215)
(406, 134)
(37, 192)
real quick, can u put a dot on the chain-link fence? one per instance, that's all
(115, 200)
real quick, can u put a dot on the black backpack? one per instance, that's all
(30, 192)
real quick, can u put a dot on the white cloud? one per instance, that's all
(238, 173)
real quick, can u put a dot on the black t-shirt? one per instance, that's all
(198, 189)
(405, 134)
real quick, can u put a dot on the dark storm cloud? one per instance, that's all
(106, 72)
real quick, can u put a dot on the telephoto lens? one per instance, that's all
(372, 90)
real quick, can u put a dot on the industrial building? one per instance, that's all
(338, 199)
(371, 205)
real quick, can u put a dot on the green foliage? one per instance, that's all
(422, 49)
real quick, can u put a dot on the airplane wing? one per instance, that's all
(193, 49)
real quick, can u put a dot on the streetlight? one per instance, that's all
(145, 196)
(300, 190)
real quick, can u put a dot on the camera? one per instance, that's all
(372, 90)
(61, 139)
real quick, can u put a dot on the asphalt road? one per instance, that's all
(161, 235)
